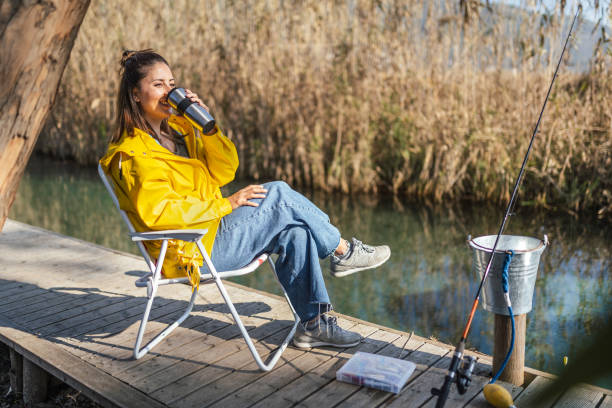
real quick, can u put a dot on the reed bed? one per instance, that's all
(427, 100)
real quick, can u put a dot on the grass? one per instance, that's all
(363, 96)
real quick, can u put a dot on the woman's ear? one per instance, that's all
(135, 95)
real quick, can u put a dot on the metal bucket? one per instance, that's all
(521, 273)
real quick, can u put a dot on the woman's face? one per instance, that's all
(152, 92)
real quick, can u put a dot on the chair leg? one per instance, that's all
(247, 338)
(138, 352)
(151, 292)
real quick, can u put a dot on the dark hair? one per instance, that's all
(134, 65)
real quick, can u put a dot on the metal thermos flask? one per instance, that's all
(195, 114)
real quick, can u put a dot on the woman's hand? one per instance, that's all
(242, 197)
(194, 98)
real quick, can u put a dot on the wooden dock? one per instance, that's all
(71, 308)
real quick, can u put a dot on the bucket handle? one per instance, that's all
(543, 242)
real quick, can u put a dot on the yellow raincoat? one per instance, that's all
(160, 190)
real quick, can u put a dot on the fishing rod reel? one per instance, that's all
(462, 375)
(460, 371)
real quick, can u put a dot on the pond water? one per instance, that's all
(427, 286)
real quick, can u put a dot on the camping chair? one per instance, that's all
(154, 279)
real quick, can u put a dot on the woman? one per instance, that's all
(167, 176)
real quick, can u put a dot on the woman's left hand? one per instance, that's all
(194, 98)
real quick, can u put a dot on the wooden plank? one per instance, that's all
(530, 398)
(120, 358)
(35, 303)
(31, 318)
(201, 369)
(228, 369)
(95, 384)
(334, 391)
(88, 317)
(96, 321)
(18, 294)
(232, 351)
(33, 310)
(607, 402)
(178, 338)
(197, 350)
(108, 354)
(60, 319)
(7, 285)
(267, 384)
(120, 335)
(187, 389)
(124, 332)
(579, 397)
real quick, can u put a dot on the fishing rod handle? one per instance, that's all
(442, 393)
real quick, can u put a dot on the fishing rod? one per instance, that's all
(459, 370)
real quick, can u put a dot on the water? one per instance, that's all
(427, 286)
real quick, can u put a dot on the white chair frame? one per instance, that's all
(154, 279)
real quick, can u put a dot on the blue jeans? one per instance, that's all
(288, 224)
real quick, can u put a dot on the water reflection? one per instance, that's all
(426, 287)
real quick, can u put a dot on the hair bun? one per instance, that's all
(127, 54)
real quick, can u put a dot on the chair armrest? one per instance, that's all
(191, 235)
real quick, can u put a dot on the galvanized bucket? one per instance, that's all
(521, 273)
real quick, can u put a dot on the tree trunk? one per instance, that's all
(36, 38)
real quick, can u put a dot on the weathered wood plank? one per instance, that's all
(76, 309)
(607, 402)
(43, 301)
(200, 342)
(210, 365)
(107, 355)
(96, 322)
(280, 377)
(89, 317)
(94, 383)
(530, 398)
(334, 391)
(237, 368)
(7, 285)
(579, 397)
(193, 387)
(18, 294)
(66, 303)
(124, 332)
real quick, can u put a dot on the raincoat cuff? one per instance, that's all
(226, 207)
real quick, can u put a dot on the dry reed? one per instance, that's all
(400, 96)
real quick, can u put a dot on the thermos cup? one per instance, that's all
(195, 114)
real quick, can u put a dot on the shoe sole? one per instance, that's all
(355, 270)
(323, 343)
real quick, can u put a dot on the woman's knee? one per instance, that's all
(277, 186)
